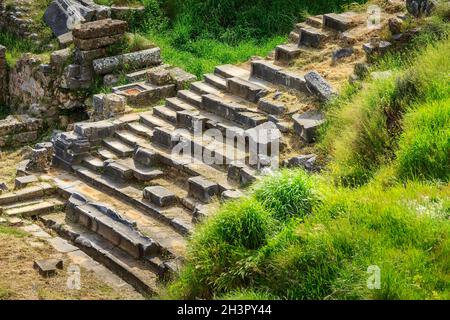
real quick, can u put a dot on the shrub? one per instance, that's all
(287, 194)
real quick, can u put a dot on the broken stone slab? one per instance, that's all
(301, 161)
(58, 59)
(63, 15)
(97, 43)
(202, 189)
(48, 267)
(159, 76)
(100, 29)
(136, 60)
(65, 39)
(341, 53)
(271, 106)
(319, 86)
(306, 124)
(231, 195)
(159, 196)
(22, 182)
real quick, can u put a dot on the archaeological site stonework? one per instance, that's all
(110, 183)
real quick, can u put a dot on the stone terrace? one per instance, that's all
(130, 203)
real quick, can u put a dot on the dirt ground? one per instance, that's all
(19, 281)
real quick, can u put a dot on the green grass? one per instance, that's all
(203, 55)
(4, 230)
(383, 201)
(403, 229)
(425, 143)
(364, 126)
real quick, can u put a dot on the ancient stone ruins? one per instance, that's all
(111, 184)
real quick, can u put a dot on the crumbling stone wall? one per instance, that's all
(19, 130)
(15, 18)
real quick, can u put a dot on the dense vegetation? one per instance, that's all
(298, 236)
(198, 35)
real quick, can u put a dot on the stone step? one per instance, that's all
(338, 22)
(27, 193)
(216, 81)
(170, 240)
(93, 163)
(267, 71)
(294, 37)
(315, 21)
(141, 172)
(148, 119)
(165, 113)
(35, 209)
(285, 53)
(177, 104)
(231, 71)
(140, 129)
(202, 87)
(191, 97)
(312, 37)
(177, 218)
(24, 181)
(106, 154)
(232, 111)
(119, 148)
(111, 226)
(129, 138)
(136, 272)
(245, 89)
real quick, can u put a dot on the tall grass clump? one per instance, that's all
(424, 147)
(288, 195)
(363, 131)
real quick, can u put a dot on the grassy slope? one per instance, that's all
(300, 237)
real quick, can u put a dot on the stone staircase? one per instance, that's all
(119, 191)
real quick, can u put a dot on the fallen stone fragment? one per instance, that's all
(319, 86)
(48, 267)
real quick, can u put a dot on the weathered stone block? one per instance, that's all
(271, 106)
(48, 267)
(22, 182)
(97, 43)
(337, 22)
(134, 60)
(306, 124)
(245, 89)
(319, 86)
(159, 196)
(99, 29)
(202, 189)
(145, 157)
